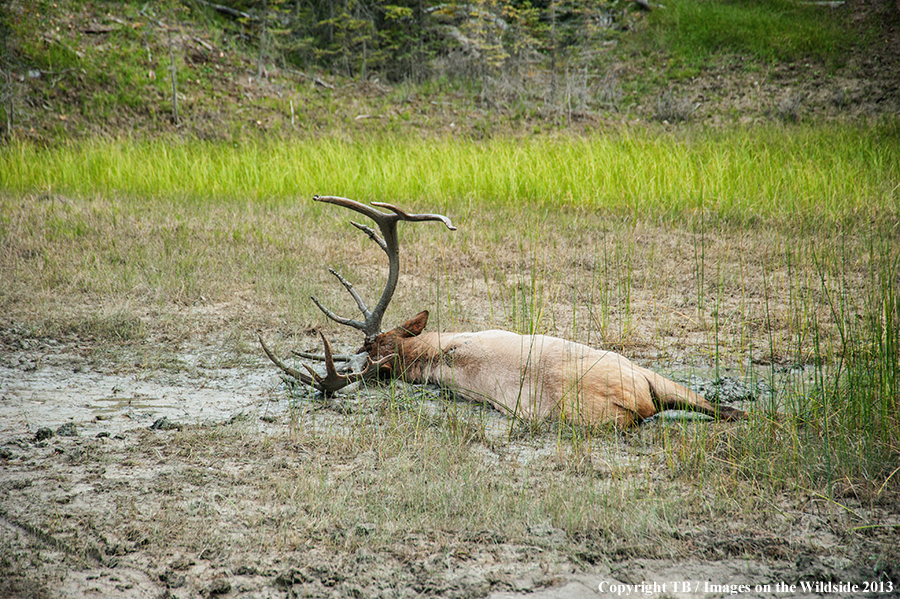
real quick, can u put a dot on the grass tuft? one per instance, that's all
(767, 30)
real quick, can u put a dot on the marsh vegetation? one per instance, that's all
(136, 268)
(745, 254)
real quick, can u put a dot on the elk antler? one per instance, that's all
(387, 223)
(332, 381)
(371, 323)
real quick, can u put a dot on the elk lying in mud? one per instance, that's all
(525, 376)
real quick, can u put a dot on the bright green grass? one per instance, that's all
(768, 30)
(822, 172)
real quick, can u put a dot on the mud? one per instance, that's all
(50, 387)
(93, 468)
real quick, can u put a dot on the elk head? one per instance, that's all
(361, 366)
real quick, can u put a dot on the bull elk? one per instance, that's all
(525, 376)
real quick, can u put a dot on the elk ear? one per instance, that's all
(414, 326)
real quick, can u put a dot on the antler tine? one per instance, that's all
(350, 289)
(287, 369)
(375, 215)
(330, 370)
(371, 233)
(332, 381)
(415, 217)
(387, 223)
(356, 324)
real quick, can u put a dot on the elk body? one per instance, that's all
(526, 376)
(535, 376)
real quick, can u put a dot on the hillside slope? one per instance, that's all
(76, 69)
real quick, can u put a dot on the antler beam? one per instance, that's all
(387, 224)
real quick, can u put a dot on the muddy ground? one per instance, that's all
(130, 483)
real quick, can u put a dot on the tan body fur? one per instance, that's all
(535, 376)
